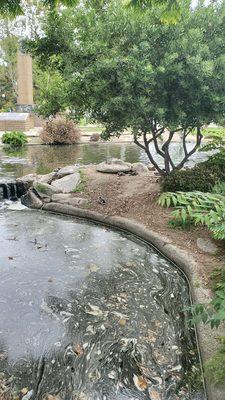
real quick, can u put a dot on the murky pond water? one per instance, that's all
(43, 159)
(90, 313)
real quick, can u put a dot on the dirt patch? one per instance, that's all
(135, 197)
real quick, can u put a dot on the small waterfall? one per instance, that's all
(8, 190)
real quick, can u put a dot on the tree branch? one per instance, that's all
(199, 137)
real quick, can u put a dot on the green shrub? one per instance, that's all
(14, 139)
(219, 188)
(214, 132)
(197, 207)
(202, 177)
(60, 131)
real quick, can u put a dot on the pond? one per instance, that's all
(90, 313)
(43, 159)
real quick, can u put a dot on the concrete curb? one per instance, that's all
(206, 337)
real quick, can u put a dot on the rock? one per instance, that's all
(27, 180)
(61, 197)
(114, 166)
(68, 183)
(44, 190)
(69, 170)
(207, 246)
(31, 200)
(78, 202)
(48, 178)
(140, 168)
(69, 198)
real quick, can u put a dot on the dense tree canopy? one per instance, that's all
(130, 71)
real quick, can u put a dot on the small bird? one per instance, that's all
(101, 200)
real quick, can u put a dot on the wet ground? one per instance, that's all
(43, 159)
(88, 313)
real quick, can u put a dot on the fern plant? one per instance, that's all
(199, 208)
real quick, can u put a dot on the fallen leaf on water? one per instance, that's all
(78, 350)
(155, 395)
(140, 382)
(94, 310)
(122, 322)
(10, 258)
(93, 268)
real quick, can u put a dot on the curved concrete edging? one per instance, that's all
(206, 338)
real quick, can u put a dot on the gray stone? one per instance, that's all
(69, 198)
(31, 200)
(78, 202)
(114, 166)
(27, 180)
(48, 178)
(140, 168)
(68, 183)
(62, 197)
(44, 190)
(70, 169)
(207, 246)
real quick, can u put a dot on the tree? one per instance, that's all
(131, 71)
(15, 7)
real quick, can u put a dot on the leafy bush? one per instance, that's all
(60, 131)
(214, 132)
(202, 177)
(219, 188)
(197, 207)
(14, 139)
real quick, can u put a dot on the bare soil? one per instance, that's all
(135, 197)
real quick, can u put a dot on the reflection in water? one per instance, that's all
(89, 313)
(43, 159)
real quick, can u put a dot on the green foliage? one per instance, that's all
(201, 178)
(52, 93)
(214, 132)
(15, 7)
(180, 224)
(219, 188)
(217, 278)
(14, 139)
(83, 181)
(215, 367)
(200, 208)
(128, 70)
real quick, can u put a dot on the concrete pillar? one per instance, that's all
(24, 82)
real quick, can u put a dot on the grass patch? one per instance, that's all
(41, 188)
(83, 181)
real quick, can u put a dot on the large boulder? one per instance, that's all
(114, 166)
(27, 180)
(140, 168)
(68, 183)
(44, 190)
(69, 170)
(31, 200)
(48, 178)
(207, 246)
